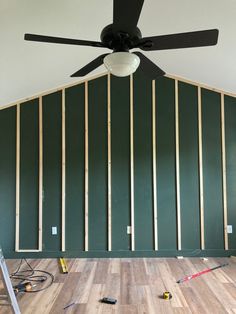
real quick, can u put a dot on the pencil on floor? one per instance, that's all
(68, 305)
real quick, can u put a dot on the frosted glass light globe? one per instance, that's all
(121, 63)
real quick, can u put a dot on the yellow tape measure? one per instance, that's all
(167, 295)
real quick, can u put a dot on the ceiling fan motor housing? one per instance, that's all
(121, 40)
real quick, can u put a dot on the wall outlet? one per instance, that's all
(229, 229)
(129, 229)
(54, 230)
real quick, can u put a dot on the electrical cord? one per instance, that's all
(29, 275)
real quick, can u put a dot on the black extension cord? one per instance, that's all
(29, 276)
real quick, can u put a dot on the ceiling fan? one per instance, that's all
(124, 35)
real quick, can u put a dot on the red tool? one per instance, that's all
(200, 273)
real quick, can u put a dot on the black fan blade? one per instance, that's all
(126, 15)
(181, 40)
(90, 66)
(148, 67)
(59, 40)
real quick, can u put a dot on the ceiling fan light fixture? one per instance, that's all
(121, 63)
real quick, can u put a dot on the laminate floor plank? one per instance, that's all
(208, 299)
(139, 271)
(114, 266)
(85, 282)
(127, 281)
(195, 304)
(101, 271)
(67, 294)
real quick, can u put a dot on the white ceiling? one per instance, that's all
(28, 68)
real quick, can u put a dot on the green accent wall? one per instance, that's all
(120, 149)
(165, 146)
(212, 170)
(188, 164)
(120, 155)
(29, 174)
(143, 198)
(7, 178)
(230, 147)
(52, 170)
(75, 120)
(97, 168)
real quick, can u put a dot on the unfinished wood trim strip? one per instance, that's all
(17, 230)
(177, 164)
(226, 242)
(63, 187)
(184, 80)
(50, 91)
(154, 168)
(132, 161)
(109, 161)
(200, 169)
(86, 169)
(19, 251)
(180, 79)
(40, 239)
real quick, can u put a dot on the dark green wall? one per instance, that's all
(52, 139)
(212, 170)
(165, 141)
(7, 178)
(120, 152)
(230, 143)
(97, 164)
(166, 188)
(143, 198)
(75, 97)
(29, 174)
(188, 151)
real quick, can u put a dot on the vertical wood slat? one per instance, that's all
(40, 174)
(17, 230)
(63, 195)
(200, 168)
(109, 160)
(226, 245)
(154, 171)
(177, 164)
(132, 163)
(86, 168)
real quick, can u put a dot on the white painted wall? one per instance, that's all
(28, 68)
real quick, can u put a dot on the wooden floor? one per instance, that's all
(137, 284)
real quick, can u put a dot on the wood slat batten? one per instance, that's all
(17, 226)
(40, 214)
(109, 162)
(201, 196)
(86, 168)
(224, 181)
(63, 187)
(132, 162)
(154, 168)
(184, 80)
(174, 77)
(178, 208)
(53, 90)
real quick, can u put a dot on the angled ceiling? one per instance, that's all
(28, 68)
